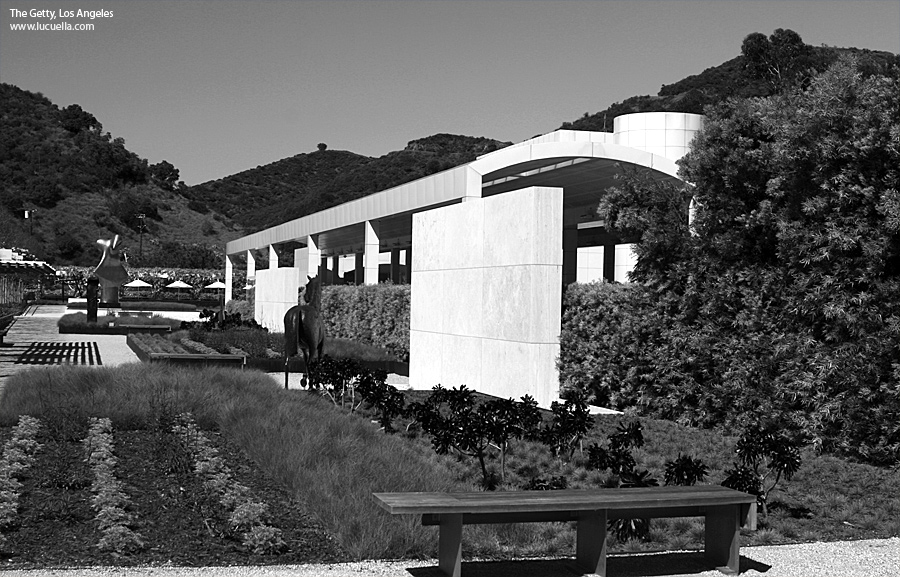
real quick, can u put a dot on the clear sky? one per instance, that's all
(217, 87)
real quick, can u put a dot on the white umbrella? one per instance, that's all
(216, 285)
(137, 283)
(178, 285)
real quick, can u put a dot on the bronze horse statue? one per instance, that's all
(304, 330)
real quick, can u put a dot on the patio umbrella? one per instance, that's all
(217, 286)
(137, 284)
(178, 285)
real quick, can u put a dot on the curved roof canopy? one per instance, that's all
(584, 164)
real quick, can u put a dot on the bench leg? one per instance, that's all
(722, 536)
(590, 542)
(450, 545)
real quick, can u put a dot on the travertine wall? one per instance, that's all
(486, 295)
(276, 292)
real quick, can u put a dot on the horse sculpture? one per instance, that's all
(304, 330)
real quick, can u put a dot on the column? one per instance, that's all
(273, 257)
(409, 265)
(570, 256)
(395, 265)
(609, 262)
(251, 266)
(359, 267)
(229, 277)
(370, 254)
(313, 257)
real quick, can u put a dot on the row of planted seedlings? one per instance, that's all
(115, 517)
(491, 432)
(17, 458)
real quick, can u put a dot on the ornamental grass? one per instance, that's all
(328, 460)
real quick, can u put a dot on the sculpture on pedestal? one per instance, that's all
(93, 290)
(110, 271)
(303, 328)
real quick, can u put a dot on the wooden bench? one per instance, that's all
(725, 511)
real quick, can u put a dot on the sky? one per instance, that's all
(218, 87)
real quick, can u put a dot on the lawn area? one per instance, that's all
(316, 466)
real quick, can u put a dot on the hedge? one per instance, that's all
(373, 314)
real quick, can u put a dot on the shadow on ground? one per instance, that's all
(626, 565)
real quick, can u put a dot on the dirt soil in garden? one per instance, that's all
(181, 522)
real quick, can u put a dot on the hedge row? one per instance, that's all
(373, 314)
(620, 347)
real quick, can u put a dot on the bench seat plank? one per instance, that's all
(561, 500)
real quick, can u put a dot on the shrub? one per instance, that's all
(372, 314)
(765, 455)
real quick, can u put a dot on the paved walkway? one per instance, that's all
(34, 340)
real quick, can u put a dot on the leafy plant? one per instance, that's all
(545, 483)
(684, 470)
(765, 456)
(570, 423)
(617, 456)
(627, 529)
(388, 402)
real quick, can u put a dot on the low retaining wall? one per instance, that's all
(297, 365)
(115, 330)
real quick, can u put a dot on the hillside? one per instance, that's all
(307, 183)
(79, 184)
(82, 184)
(735, 78)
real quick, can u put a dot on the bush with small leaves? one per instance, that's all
(18, 456)
(109, 500)
(247, 516)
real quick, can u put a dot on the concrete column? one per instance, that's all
(409, 257)
(570, 256)
(313, 257)
(359, 267)
(229, 277)
(395, 265)
(327, 279)
(273, 257)
(609, 262)
(251, 266)
(370, 254)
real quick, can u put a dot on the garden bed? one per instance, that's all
(76, 323)
(151, 348)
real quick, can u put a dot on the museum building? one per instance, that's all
(486, 246)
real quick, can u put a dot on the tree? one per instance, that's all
(74, 119)
(322, 146)
(777, 59)
(786, 301)
(164, 174)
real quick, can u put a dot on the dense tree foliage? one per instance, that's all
(80, 184)
(784, 303)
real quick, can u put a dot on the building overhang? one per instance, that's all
(584, 164)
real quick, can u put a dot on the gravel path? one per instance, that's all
(871, 558)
